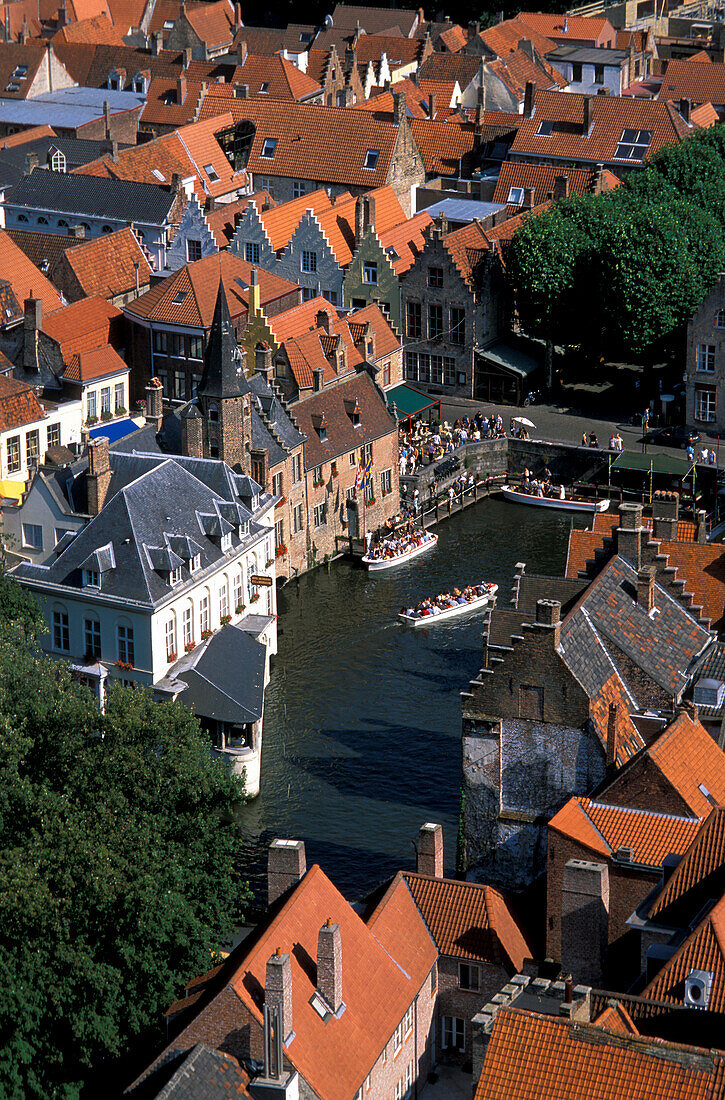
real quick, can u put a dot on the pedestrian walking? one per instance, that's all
(584, 439)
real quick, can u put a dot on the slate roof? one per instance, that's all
(376, 422)
(604, 829)
(223, 374)
(94, 196)
(164, 501)
(469, 921)
(207, 1074)
(224, 676)
(550, 1058)
(608, 621)
(42, 249)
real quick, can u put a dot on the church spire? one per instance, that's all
(224, 362)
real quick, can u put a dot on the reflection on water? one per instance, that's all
(362, 721)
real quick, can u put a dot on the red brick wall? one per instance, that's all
(462, 1003)
(643, 786)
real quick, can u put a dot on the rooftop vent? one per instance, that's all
(697, 988)
(709, 692)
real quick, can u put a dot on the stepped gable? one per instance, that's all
(699, 876)
(553, 1058)
(650, 836)
(704, 949)
(468, 920)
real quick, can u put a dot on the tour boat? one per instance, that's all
(454, 610)
(567, 504)
(375, 564)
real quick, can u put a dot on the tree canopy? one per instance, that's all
(116, 863)
(619, 271)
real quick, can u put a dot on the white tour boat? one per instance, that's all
(375, 564)
(561, 504)
(454, 610)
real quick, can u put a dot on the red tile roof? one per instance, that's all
(302, 318)
(704, 116)
(407, 240)
(24, 278)
(610, 117)
(536, 1057)
(467, 247)
(84, 326)
(704, 949)
(505, 38)
(454, 39)
(313, 349)
(282, 78)
(604, 829)
(313, 141)
(688, 758)
(85, 366)
(696, 82)
(469, 921)
(593, 29)
(213, 22)
(99, 30)
(197, 284)
(703, 859)
(222, 221)
(616, 1018)
(542, 178)
(629, 741)
(167, 105)
(18, 404)
(106, 266)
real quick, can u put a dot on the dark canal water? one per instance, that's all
(362, 721)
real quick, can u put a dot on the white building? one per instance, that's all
(172, 585)
(28, 427)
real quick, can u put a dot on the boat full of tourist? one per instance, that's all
(399, 548)
(545, 495)
(449, 605)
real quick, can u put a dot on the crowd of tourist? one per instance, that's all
(446, 600)
(404, 538)
(422, 444)
(543, 486)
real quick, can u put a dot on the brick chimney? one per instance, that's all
(646, 588)
(155, 403)
(399, 108)
(157, 43)
(99, 474)
(432, 105)
(242, 52)
(286, 864)
(32, 160)
(329, 964)
(612, 734)
(318, 379)
(701, 518)
(77, 231)
(587, 117)
(181, 89)
(32, 326)
(685, 109)
(630, 533)
(528, 203)
(186, 58)
(241, 91)
(665, 514)
(430, 850)
(528, 99)
(278, 990)
(584, 919)
(561, 187)
(548, 616)
(481, 98)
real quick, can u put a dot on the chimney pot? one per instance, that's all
(646, 588)
(548, 612)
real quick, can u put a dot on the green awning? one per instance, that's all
(653, 463)
(511, 359)
(409, 402)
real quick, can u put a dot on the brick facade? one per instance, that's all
(705, 363)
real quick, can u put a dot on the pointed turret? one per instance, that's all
(224, 362)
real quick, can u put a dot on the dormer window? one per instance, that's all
(195, 563)
(175, 576)
(243, 529)
(91, 578)
(226, 542)
(355, 417)
(546, 128)
(268, 148)
(211, 172)
(371, 159)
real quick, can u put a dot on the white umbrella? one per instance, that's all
(523, 420)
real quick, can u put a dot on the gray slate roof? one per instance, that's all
(608, 630)
(224, 676)
(93, 196)
(206, 1074)
(141, 521)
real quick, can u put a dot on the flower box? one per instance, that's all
(282, 500)
(92, 420)
(254, 598)
(127, 665)
(270, 561)
(281, 550)
(241, 607)
(171, 657)
(372, 500)
(334, 469)
(120, 411)
(189, 646)
(206, 634)
(106, 415)
(225, 620)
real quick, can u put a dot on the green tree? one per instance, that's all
(116, 864)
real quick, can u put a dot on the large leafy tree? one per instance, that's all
(116, 864)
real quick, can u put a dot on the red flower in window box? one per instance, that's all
(189, 646)
(280, 502)
(126, 665)
(225, 620)
(281, 550)
(206, 634)
(171, 657)
(334, 469)
(372, 500)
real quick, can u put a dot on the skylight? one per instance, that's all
(179, 297)
(371, 158)
(20, 72)
(392, 253)
(546, 128)
(211, 172)
(516, 196)
(264, 87)
(268, 147)
(159, 175)
(633, 144)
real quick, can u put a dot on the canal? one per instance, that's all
(362, 720)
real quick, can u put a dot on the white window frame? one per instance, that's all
(705, 361)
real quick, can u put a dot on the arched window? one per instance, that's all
(86, 226)
(213, 410)
(42, 220)
(22, 218)
(62, 223)
(187, 625)
(170, 638)
(107, 229)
